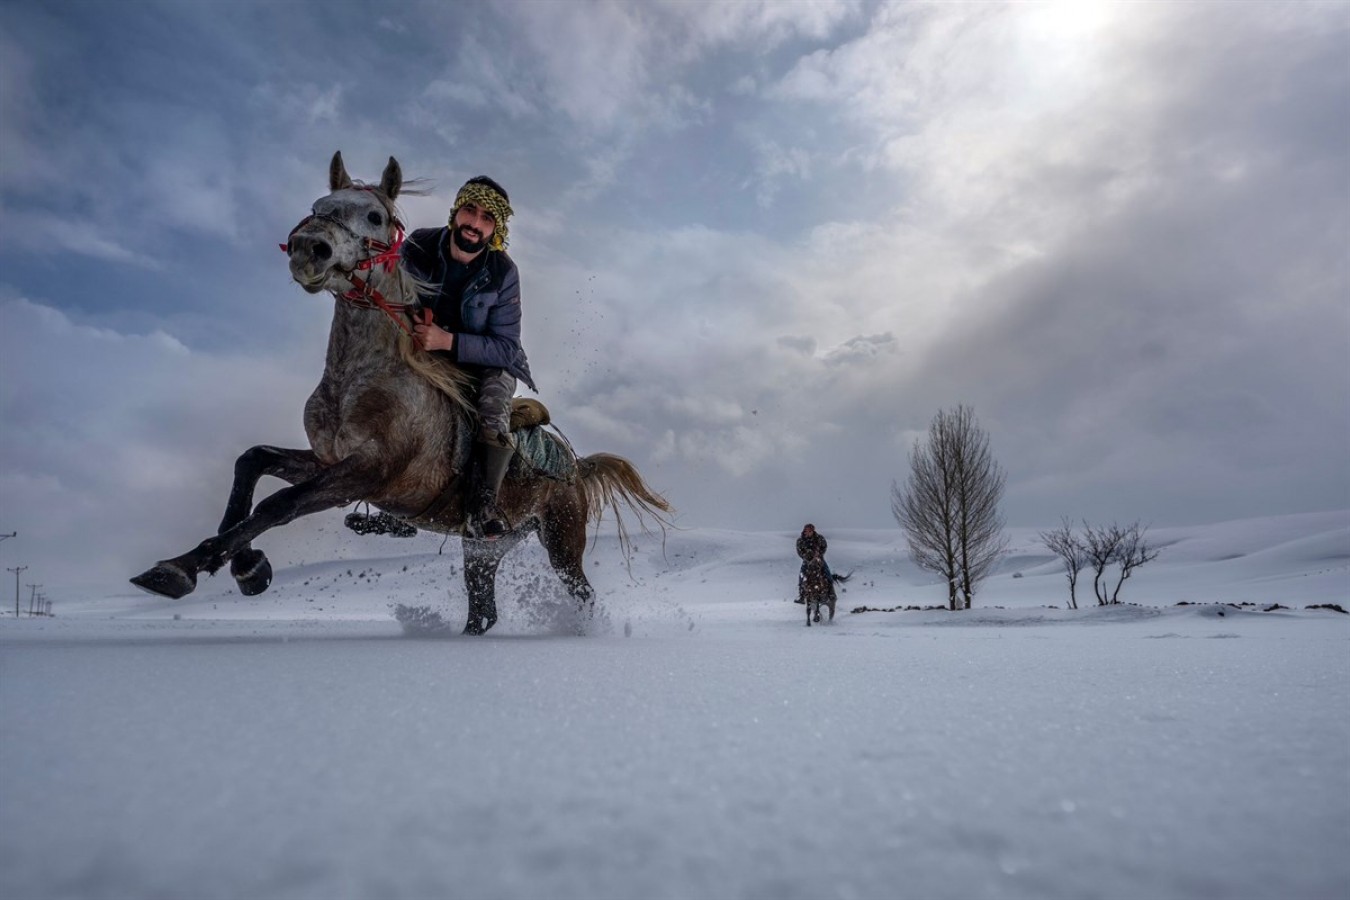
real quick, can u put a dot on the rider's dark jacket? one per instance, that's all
(811, 545)
(482, 305)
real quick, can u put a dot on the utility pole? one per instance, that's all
(32, 599)
(3, 538)
(16, 570)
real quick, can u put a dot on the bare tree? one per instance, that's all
(979, 484)
(1071, 552)
(948, 507)
(924, 510)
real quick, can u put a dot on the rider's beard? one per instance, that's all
(466, 243)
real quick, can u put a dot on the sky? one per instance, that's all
(761, 246)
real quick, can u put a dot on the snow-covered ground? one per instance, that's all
(698, 741)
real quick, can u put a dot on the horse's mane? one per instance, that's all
(444, 375)
(402, 287)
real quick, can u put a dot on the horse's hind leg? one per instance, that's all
(250, 567)
(562, 531)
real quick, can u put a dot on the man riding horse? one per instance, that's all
(474, 321)
(811, 545)
(391, 426)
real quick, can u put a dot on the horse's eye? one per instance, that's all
(374, 218)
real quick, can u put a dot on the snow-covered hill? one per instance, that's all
(1294, 560)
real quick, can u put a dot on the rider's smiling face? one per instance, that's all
(473, 227)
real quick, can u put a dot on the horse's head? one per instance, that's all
(345, 229)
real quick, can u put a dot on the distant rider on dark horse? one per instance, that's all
(476, 309)
(811, 545)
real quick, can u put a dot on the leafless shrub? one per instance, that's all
(1127, 548)
(1071, 552)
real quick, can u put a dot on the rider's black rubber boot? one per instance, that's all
(493, 461)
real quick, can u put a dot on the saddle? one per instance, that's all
(526, 412)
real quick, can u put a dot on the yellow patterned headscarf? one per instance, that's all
(491, 202)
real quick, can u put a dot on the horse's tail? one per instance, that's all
(841, 578)
(612, 481)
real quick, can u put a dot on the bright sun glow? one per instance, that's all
(1069, 20)
(1060, 45)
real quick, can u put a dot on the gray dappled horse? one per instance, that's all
(392, 425)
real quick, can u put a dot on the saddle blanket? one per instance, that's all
(544, 453)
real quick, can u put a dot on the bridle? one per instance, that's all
(363, 294)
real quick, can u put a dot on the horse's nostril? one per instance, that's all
(322, 250)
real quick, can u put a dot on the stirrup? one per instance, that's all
(490, 522)
(493, 528)
(378, 523)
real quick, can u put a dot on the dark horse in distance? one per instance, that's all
(391, 425)
(816, 586)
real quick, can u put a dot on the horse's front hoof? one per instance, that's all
(251, 571)
(166, 580)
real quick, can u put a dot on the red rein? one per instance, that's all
(363, 293)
